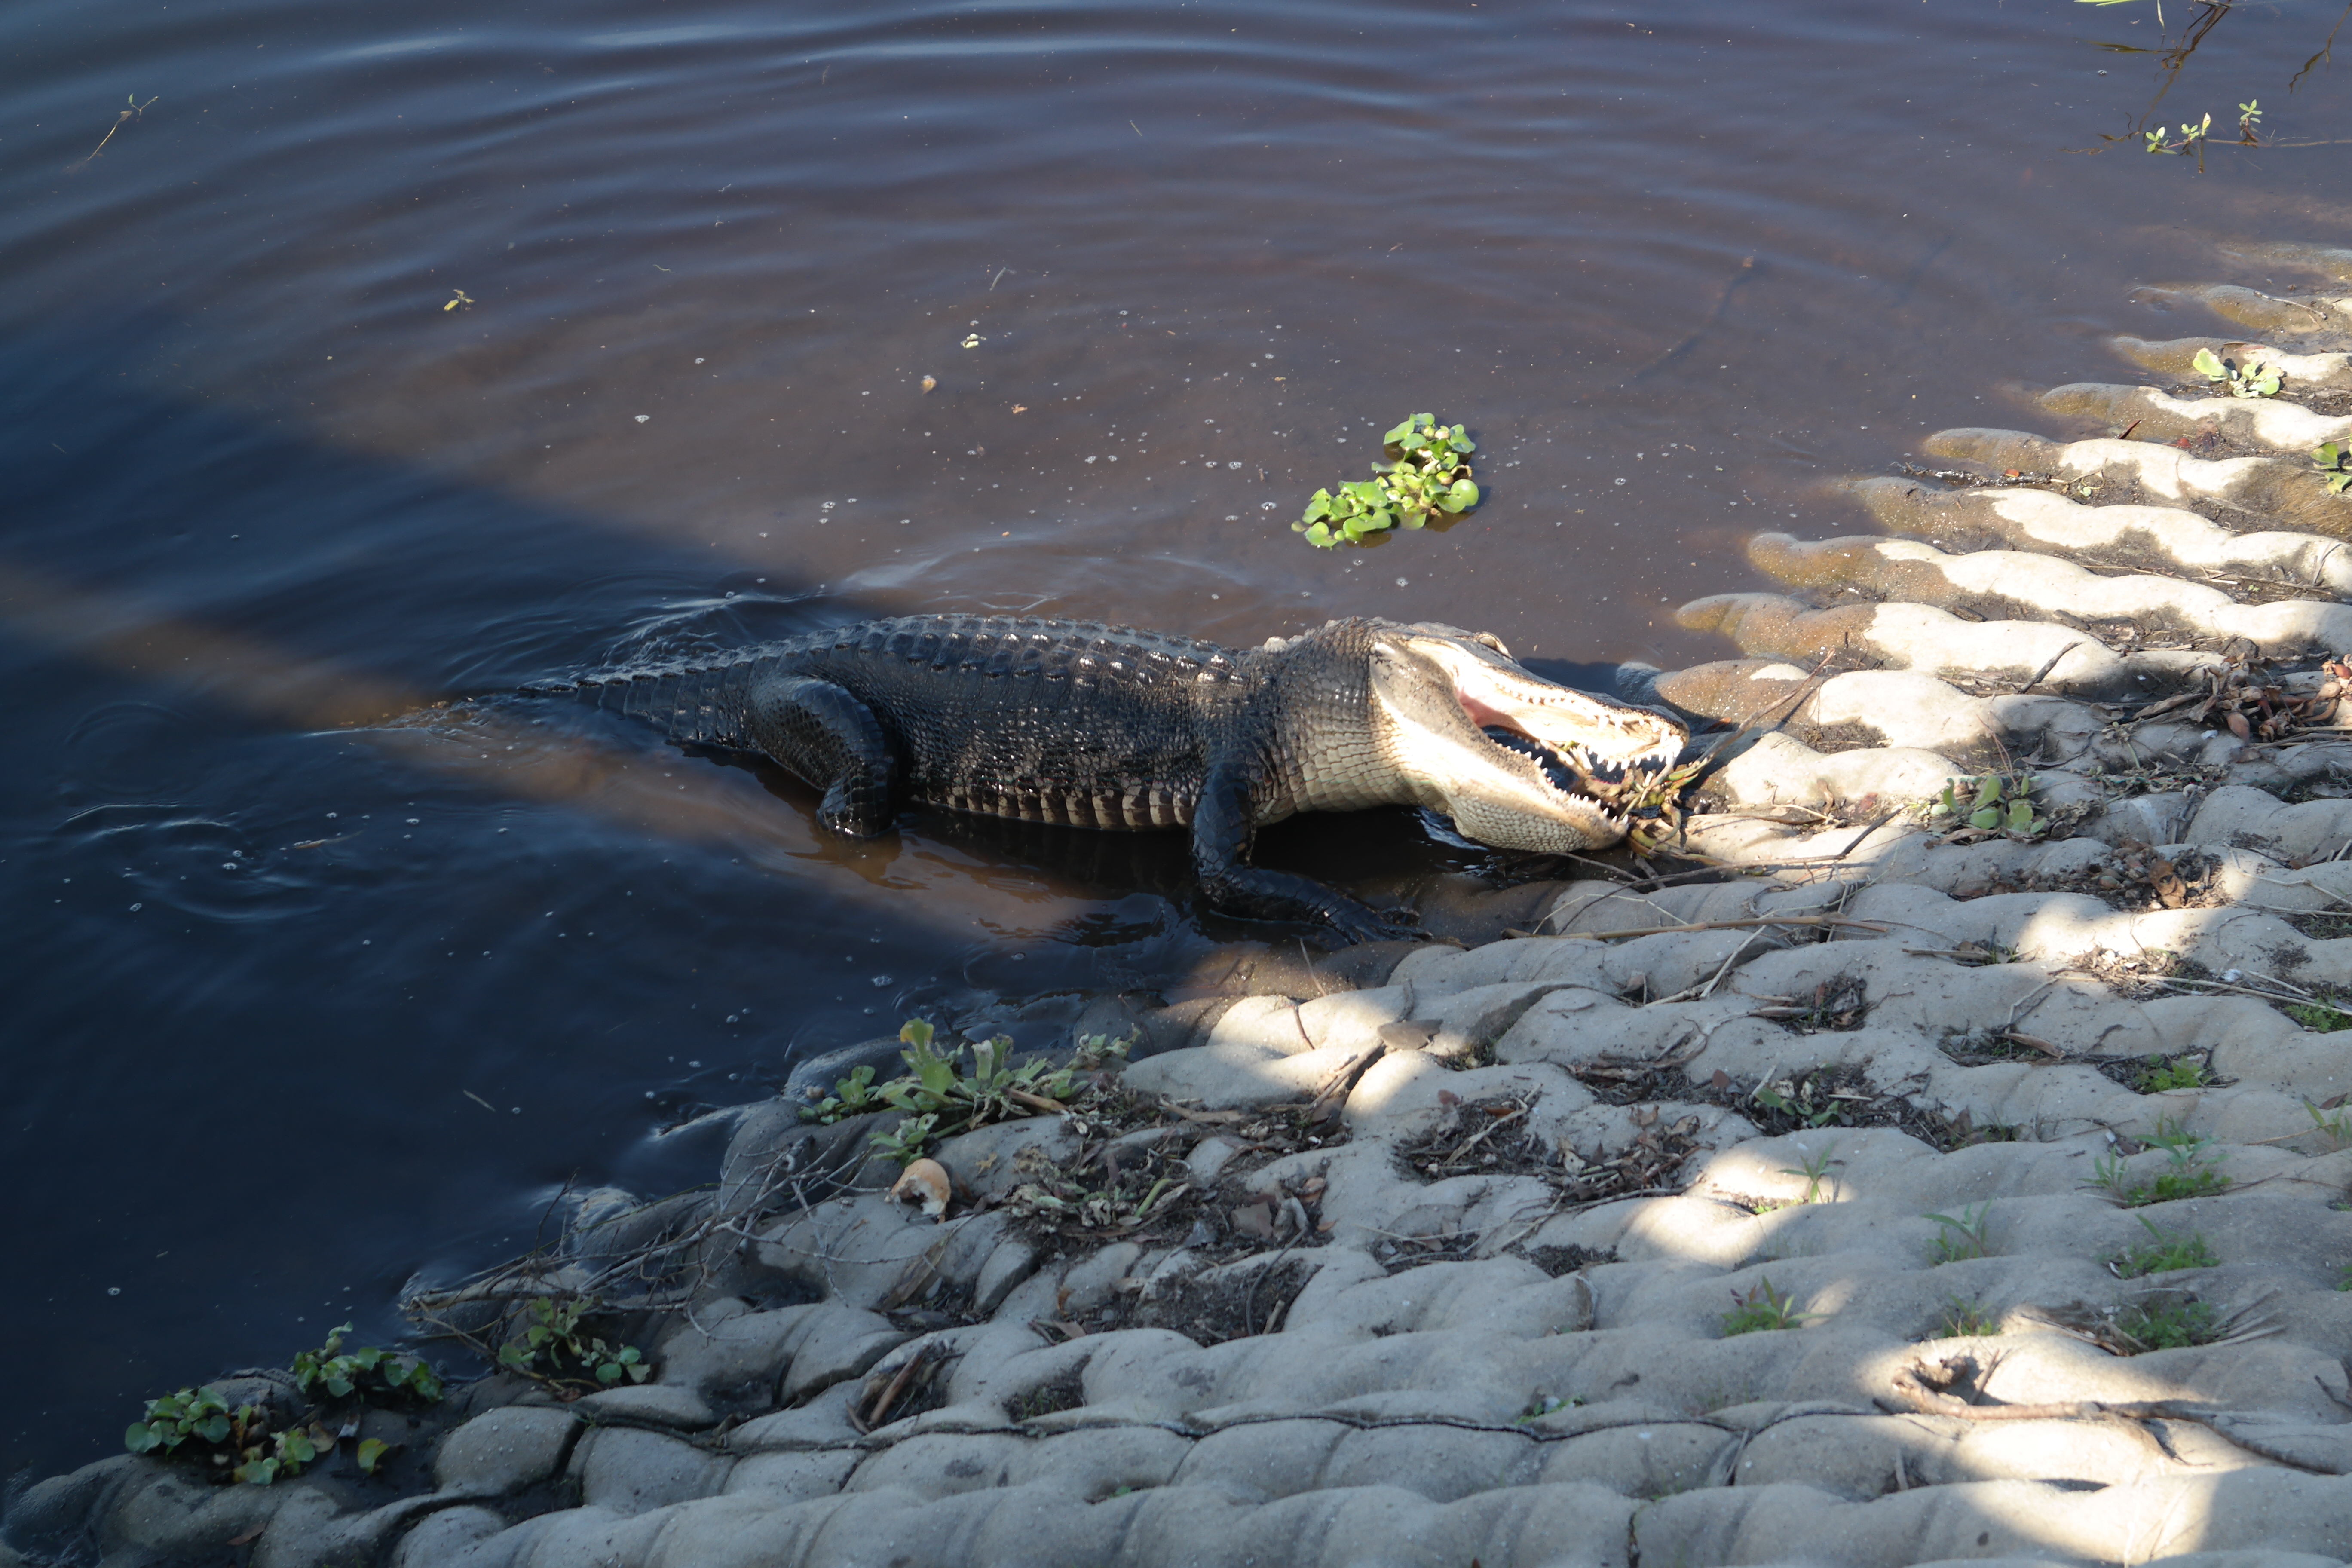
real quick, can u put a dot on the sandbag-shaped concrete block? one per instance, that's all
(1439, 972)
(2278, 423)
(1639, 1459)
(2309, 830)
(627, 1471)
(1777, 770)
(448, 1536)
(1352, 1018)
(504, 1450)
(793, 1477)
(989, 1161)
(834, 1344)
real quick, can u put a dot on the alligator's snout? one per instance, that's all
(1517, 760)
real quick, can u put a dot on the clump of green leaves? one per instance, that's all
(2255, 380)
(937, 1099)
(2333, 1120)
(2167, 1325)
(1427, 478)
(366, 1372)
(2333, 463)
(2179, 1072)
(1964, 1237)
(1548, 1405)
(196, 1414)
(1995, 802)
(2324, 1016)
(240, 1444)
(2163, 1252)
(1762, 1310)
(554, 1348)
(2191, 1172)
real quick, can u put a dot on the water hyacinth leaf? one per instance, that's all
(2020, 817)
(2209, 365)
(1461, 496)
(370, 1455)
(141, 1439)
(256, 1472)
(212, 1428)
(1988, 818)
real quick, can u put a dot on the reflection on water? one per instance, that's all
(769, 321)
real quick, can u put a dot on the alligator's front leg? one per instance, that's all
(1223, 828)
(832, 740)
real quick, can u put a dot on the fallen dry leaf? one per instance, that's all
(1020, 409)
(930, 382)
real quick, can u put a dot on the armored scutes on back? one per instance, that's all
(1094, 726)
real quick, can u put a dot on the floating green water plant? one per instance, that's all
(1427, 478)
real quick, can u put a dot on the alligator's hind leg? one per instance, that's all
(826, 736)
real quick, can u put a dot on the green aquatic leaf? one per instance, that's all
(141, 1439)
(1461, 496)
(2020, 817)
(2209, 365)
(371, 1454)
(1989, 818)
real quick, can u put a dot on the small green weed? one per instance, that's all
(1963, 1238)
(1994, 803)
(1815, 1168)
(937, 1099)
(2190, 1172)
(2335, 1122)
(1762, 1311)
(1428, 478)
(2168, 1325)
(2324, 1016)
(2178, 1072)
(1797, 1103)
(554, 1351)
(2163, 1252)
(2256, 380)
(2333, 463)
(1966, 1319)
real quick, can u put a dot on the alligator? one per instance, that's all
(1086, 725)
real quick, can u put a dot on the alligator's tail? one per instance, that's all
(694, 706)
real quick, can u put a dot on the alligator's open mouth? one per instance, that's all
(1614, 783)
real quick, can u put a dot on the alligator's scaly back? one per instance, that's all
(1087, 725)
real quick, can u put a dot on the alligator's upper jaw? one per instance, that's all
(1518, 760)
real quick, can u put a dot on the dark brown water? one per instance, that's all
(300, 1004)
